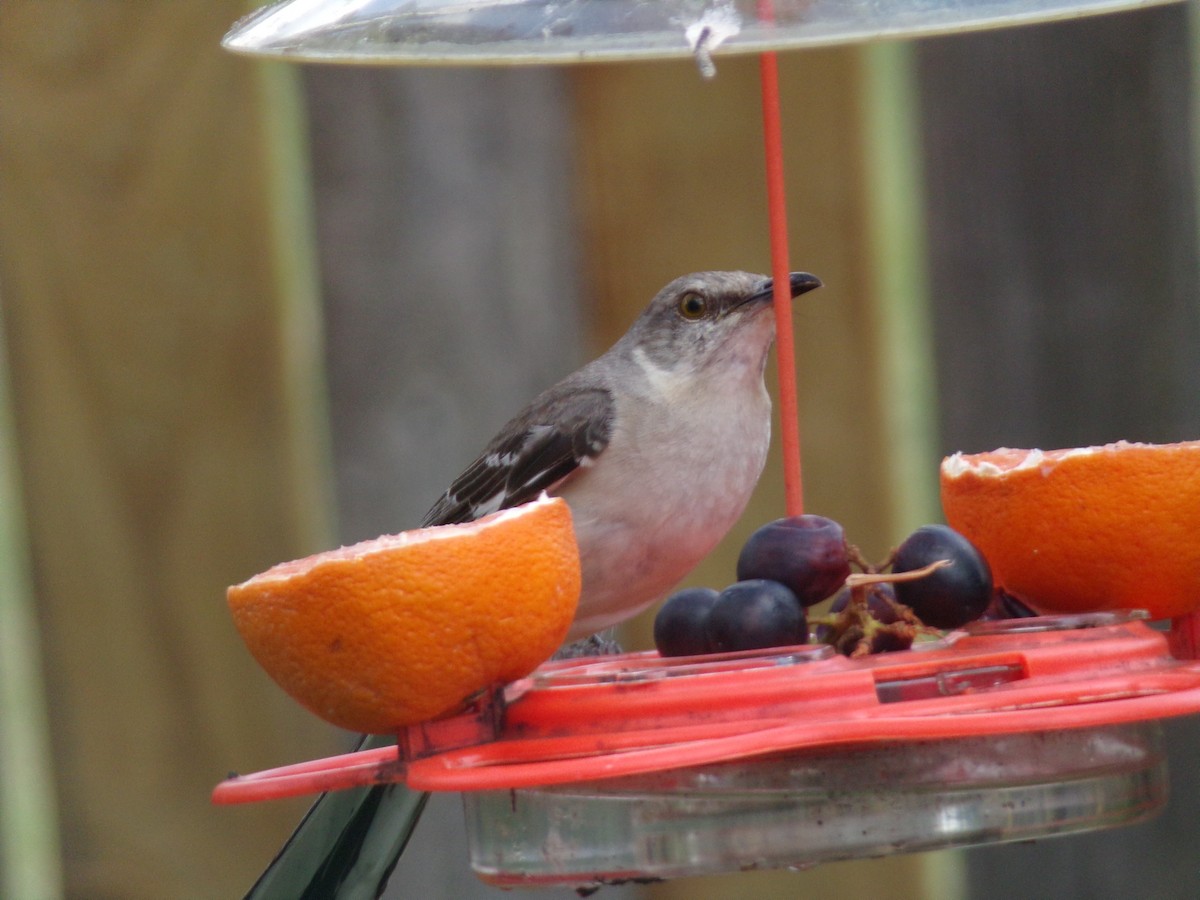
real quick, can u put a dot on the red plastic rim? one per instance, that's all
(634, 714)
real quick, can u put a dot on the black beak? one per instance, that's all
(799, 282)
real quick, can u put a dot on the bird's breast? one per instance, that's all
(672, 481)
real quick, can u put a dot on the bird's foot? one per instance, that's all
(596, 645)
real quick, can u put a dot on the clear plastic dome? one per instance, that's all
(463, 32)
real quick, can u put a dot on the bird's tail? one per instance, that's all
(346, 845)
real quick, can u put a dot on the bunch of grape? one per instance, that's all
(935, 579)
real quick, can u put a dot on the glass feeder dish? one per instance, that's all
(799, 809)
(461, 32)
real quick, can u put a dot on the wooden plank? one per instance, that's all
(1064, 267)
(165, 365)
(672, 181)
(903, 333)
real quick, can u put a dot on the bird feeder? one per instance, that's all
(602, 770)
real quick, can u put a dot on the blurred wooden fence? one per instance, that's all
(164, 361)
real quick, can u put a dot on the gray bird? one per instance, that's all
(656, 446)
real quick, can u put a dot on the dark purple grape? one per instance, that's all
(680, 628)
(807, 554)
(755, 614)
(1004, 605)
(949, 597)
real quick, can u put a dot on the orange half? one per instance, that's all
(1092, 528)
(403, 628)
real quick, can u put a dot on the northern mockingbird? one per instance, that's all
(656, 446)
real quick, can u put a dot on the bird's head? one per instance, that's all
(710, 318)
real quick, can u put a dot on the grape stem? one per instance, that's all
(855, 579)
(855, 556)
(854, 630)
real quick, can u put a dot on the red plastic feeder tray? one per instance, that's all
(636, 766)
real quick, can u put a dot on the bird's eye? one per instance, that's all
(692, 306)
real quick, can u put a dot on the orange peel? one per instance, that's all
(403, 628)
(1093, 528)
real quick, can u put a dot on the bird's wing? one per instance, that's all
(562, 430)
